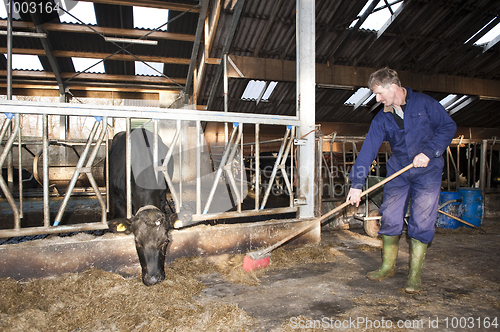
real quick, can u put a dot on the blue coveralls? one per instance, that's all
(428, 129)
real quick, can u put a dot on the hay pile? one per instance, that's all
(230, 267)
(95, 300)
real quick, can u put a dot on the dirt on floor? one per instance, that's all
(310, 288)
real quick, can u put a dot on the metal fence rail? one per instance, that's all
(98, 138)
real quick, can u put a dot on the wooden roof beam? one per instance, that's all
(121, 57)
(92, 77)
(47, 47)
(150, 3)
(196, 47)
(211, 23)
(235, 21)
(283, 70)
(53, 92)
(114, 32)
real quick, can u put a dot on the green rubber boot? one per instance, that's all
(390, 246)
(417, 255)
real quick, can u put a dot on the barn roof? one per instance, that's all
(432, 44)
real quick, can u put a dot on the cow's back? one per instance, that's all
(146, 188)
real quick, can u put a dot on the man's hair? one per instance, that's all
(383, 77)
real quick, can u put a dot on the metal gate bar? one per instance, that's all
(164, 168)
(80, 169)
(228, 154)
(3, 157)
(127, 113)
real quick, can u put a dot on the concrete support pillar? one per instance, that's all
(306, 101)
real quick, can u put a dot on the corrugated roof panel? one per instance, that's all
(114, 16)
(181, 22)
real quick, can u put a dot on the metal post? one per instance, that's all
(332, 179)
(88, 168)
(45, 161)
(457, 174)
(10, 171)
(474, 167)
(482, 170)
(107, 169)
(198, 167)
(488, 183)
(469, 158)
(220, 169)
(306, 100)
(290, 150)
(167, 176)
(128, 171)
(448, 168)
(9, 49)
(275, 168)
(74, 178)
(344, 165)
(179, 129)
(319, 173)
(226, 97)
(257, 166)
(228, 164)
(7, 150)
(454, 167)
(155, 148)
(242, 168)
(20, 168)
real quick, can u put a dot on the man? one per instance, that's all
(418, 130)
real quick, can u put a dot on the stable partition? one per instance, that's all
(194, 187)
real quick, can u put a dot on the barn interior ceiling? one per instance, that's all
(447, 49)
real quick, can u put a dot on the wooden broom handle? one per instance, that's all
(338, 208)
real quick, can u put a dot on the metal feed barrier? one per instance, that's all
(98, 138)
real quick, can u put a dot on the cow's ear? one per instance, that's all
(120, 225)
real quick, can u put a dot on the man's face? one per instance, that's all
(386, 96)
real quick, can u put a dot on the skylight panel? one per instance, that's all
(377, 19)
(81, 64)
(255, 90)
(142, 69)
(84, 11)
(3, 11)
(25, 62)
(492, 34)
(150, 18)
(453, 103)
(458, 102)
(269, 90)
(448, 100)
(361, 97)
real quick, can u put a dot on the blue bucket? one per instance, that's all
(472, 205)
(454, 209)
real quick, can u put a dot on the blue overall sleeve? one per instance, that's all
(444, 131)
(369, 150)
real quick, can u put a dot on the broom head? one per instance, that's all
(250, 264)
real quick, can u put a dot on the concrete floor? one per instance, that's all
(461, 281)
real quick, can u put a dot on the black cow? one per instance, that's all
(151, 221)
(150, 227)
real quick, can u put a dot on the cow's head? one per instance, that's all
(150, 227)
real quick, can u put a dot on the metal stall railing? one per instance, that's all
(95, 141)
(336, 164)
(472, 163)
